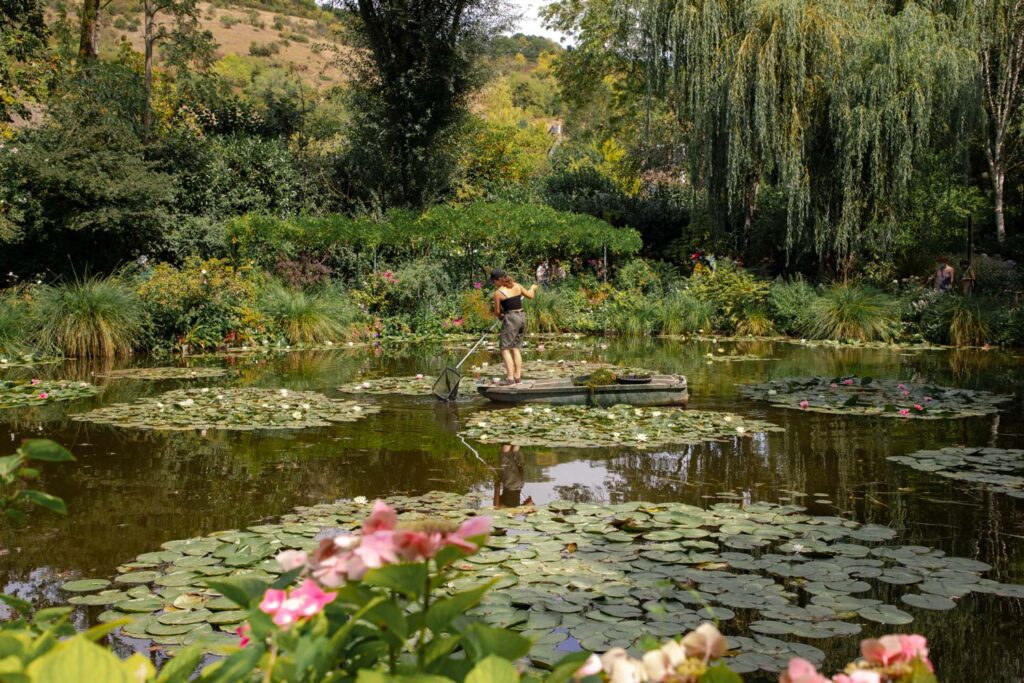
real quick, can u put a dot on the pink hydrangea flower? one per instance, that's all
(377, 549)
(591, 667)
(804, 404)
(801, 671)
(291, 559)
(303, 602)
(861, 676)
(383, 518)
(895, 649)
(244, 631)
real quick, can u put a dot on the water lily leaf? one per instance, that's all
(139, 605)
(38, 392)
(158, 374)
(885, 614)
(138, 577)
(928, 601)
(85, 585)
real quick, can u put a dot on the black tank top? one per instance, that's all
(512, 303)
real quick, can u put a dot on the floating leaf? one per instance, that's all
(85, 585)
(40, 392)
(159, 374)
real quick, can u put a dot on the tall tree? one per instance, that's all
(89, 31)
(1000, 30)
(412, 90)
(24, 63)
(184, 41)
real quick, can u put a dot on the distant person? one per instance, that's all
(508, 484)
(968, 278)
(543, 273)
(556, 272)
(508, 307)
(943, 276)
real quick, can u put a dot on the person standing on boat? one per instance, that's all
(508, 306)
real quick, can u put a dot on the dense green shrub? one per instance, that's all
(94, 317)
(203, 303)
(684, 313)
(735, 294)
(996, 276)
(308, 318)
(790, 305)
(638, 275)
(847, 311)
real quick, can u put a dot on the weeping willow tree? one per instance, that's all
(831, 101)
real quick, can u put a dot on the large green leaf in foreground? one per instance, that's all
(602, 575)
(229, 408)
(585, 427)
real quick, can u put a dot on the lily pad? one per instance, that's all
(928, 601)
(998, 469)
(85, 585)
(229, 408)
(158, 374)
(852, 395)
(621, 425)
(418, 385)
(38, 392)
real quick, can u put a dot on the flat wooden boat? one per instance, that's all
(662, 390)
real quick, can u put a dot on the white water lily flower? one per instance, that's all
(799, 548)
(329, 343)
(721, 350)
(710, 355)
(305, 406)
(3, 360)
(83, 384)
(484, 365)
(351, 343)
(740, 430)
(615, 435)
(204, 390)
(159, 405)
(656, 413)
(187, 403)
(641, 437)
(638, 412)
(727, 418)
(297, 415)
(527, 410)
(547, 410)
(366, 385)
(360, 500)
(285, 406)
(283, 392)
(219, 397)
(356, 409)
(772, 392)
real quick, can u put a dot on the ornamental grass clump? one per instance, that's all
(850, 312)
(305, 318)
(16, 318)
(90, 318)
(683, 313)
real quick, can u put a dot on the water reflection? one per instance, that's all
(129, 491)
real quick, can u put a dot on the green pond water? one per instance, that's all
(132, 490)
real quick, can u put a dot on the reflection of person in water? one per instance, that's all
(508, 482)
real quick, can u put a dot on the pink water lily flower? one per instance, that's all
(902, 387)
(244, 631)
(904, 412)
(801, 671)
(804, 404)
(44, 396)
(301, 603)
(918, 406)
(833, 386)
(36, 382)
(847, 382)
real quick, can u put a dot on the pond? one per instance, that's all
(132, 490)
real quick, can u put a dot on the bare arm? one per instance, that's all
(528, 293)
(497, 304)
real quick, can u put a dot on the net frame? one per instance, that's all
(446, 386)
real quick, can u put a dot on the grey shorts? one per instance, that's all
(513, 328)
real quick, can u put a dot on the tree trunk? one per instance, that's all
(89, 38)
(150, 38)
(998, 186)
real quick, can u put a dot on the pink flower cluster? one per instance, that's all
(288, 607)
(804, 404)
(848, 381)
(680, 662)
(886, 659)
(348, 557)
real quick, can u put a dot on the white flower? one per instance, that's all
(351, 343)
(615, 435)
(360, 500)
(356, 409)
(329, 343)
(721, 350)
(285, 406)
(710, 355)
(772, 392)
(366, 385)
(527, 409)
(656, 413)
(740, 430)
(638, 412)
(219, 397)
(547, 410)
(305, 406)
(203, 271)
(481, 425)
(159, 405)
(188, 402)
(283, 392)
(297, 415)
(727, 418)
(641, 437)
(204, 391)
(83, 384)
(484, 365)
(799, 548)
(3, 360)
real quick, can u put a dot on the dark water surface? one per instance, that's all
(130, 491)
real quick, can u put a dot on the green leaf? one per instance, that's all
(46, 618)
(241, 590)
(566, 667)
(481, 641)
(22, 606)
(235, 668)
(720, 674)
(77, 660)
(408, 579)
(181, 666)
(443, 611)
(46, 500)
(370, 676)
(493, 670)
(46, 451)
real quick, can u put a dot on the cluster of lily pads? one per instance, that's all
(33, 392)
(417, 385)
(229, 408)
(999, 469)
(600, 575)
(736, 358)
(158, 374)
(867, 396)
(621, 425)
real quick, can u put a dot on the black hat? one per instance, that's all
(497, 274)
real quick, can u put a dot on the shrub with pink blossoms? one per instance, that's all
(899, 658)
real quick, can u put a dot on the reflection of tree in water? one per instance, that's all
(580, 493)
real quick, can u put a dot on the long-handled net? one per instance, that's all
(446, 386)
